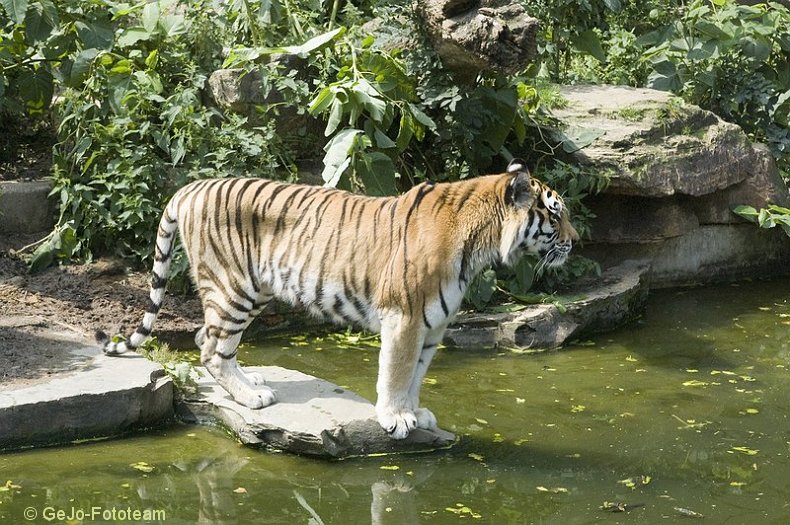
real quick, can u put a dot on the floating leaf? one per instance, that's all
(240, 490)
(637, 481)
(142, 466)
(688, 512)
(578, 408)
(389, 467)
(553, 490)
(744, 450)
(475, 456)
(463, 511)
(695, 382)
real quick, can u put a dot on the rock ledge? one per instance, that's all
(312, 417)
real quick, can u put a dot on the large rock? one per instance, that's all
(591, 305)
(489, 35)
(311, 417)
(652, 143)
(25, 206)
(676, 171)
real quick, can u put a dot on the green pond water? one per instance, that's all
(682, 412)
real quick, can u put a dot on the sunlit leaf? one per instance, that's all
(142, 466)
(744, 450)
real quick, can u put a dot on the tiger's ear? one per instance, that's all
(517, 165)
(519, 191)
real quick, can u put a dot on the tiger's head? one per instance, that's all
(536, 221)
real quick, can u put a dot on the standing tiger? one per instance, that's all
(394, 265)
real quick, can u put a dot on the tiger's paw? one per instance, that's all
(254, 378)
(426, 419)
(397, 423)
(255, 399)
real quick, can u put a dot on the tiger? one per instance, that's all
(398, 266)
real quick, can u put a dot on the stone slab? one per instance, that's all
(311, 417)
(25, 207)
(105, 397)
(652, 143)
(595, 305)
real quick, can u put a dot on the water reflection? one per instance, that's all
(693, 398)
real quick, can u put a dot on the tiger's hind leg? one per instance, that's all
(218, 354)
(253, 378)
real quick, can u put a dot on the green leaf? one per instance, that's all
(588, 42)
(756, 47)
(382, 140)
(315, 43)
(613, 5)
(575, 138)
(173, 25)
(334, 117)
(421, 117)
(16, 9)
(150, 16)
(338, 155)
(41, 20)
(35, 89)
(405, 132)
(132, 35)
(377, 172)
(81, 66)
(322, 101)
(747, 212)
(97, 35)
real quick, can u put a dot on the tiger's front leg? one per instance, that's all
(425, 418)
(401, 344)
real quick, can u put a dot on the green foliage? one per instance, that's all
(570, 28)
(769, 217)
(371, 98)
(726, 57)
(29, 45)
(184, 375)
(134, 125)
(732, 59)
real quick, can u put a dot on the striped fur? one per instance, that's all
(399, 266)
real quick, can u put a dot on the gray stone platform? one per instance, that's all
(106, 396)
(594, 304)
(311, 417)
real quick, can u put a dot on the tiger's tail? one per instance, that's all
(165, 240)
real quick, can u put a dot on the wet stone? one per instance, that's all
(311, 417)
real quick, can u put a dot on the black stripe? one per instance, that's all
(152, 307)
(158, 281)
(425, 319)
(142, 330)
(444, 303)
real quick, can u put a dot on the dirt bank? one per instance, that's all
(76, 300)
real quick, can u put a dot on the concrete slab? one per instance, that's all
(312, 417)
(106, 397)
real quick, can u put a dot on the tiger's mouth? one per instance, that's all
(557, 254)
